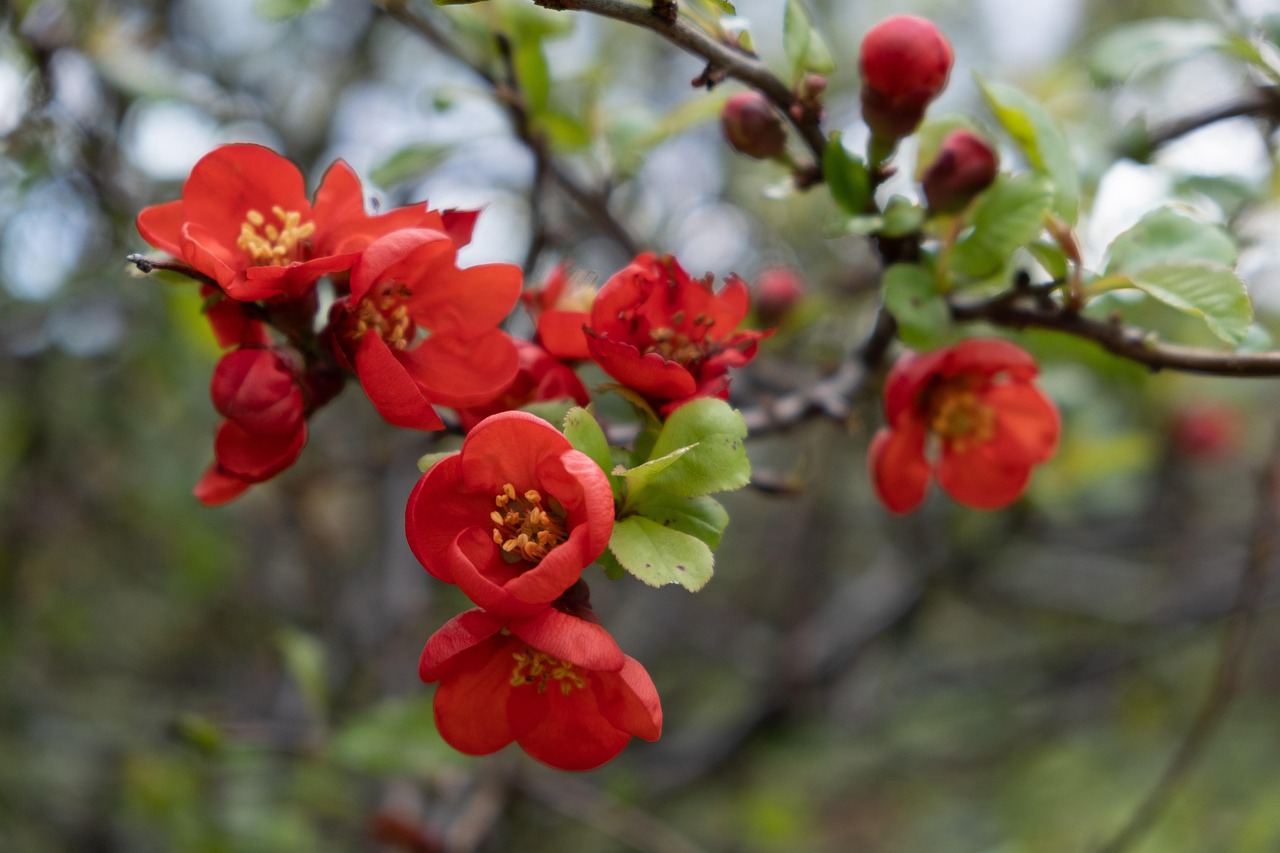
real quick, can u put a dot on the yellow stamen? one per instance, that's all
(957, 416)
(523, 527)
(273, 246)
(535, 667)
(386, 315)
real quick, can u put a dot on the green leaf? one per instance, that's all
(659, 555)
(701, 517)
(804, 46)
(585, 434)
(281, 10)
(912, 297)
(1126, 50)
(1203, 288)
(532, 74)
(394, 737)
(1259, 53)
(1051, 257)
(902, 217)
(565, 131)
(1041, 140)
(641, 475)
(846, 176)
(304, 660)
(409, 162)
(612, 568)
(427, 460)
(1006, 217)
(1166, 236)
(716, 457)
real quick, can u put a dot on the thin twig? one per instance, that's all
(147, 265)
(1226, 677)
(1264, 102)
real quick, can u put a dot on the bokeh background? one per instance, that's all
(174, 677)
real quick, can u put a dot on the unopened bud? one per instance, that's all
(778, 289)
(905, 62)
(753, 126)
(965, 166)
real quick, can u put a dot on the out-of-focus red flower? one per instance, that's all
(778, 289)
(554, 683)
(753, 126)
(905, 63)
(404, 283)
(1205, 431)
(965, 166)
(541, 376)
(668, 336)
(244, 220)
(561, 307)
(258, 393)
(512, 519)
(968, 415)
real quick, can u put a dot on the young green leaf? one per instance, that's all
(1126, 50)
(639, 477)
(912, 297)
(659, 555)
(585, 434)
(712, 431)
(846, 176)
(426, 460)
(701, 517)
(409, 162)
(1166, 236)
(1007, 216)
(802, 43)
(1203, 288)
(1041, 140)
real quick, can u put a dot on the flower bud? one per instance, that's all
(752, 125)
(965, 166)
(905, 61)
(778, 289)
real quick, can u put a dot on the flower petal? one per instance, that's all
(898, 466)
(438, 508)
(1027, 424)
(989, 357)
(471, 703)
(650, 374)
(570, 733)
(454, 637)
(463, 372)
(161, 226)
(581, 643)
(254, 456)
(982, 477)
(218, 486)
(630, 701)
(391, 388)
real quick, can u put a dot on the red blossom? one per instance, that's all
(258, 393)
(244, 221)
(668, 336)
(554, 683)
(541, 376)
(905, 62)
(407, 282)
(974, 410)
(965, 166)
(512, 519)
(561, 307)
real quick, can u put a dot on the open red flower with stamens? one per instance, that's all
(541, 376)
(258, 393)
(668, 336)
(556, 684)
(512, 519)
(406, 284)
(973, 409)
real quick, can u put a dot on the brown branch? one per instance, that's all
(1026, 310)
(147, 265)
(1226, 677)
(1264, 102)
(721, 59)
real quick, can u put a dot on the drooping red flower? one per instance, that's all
(561, 307)
(556, 684)
(244, 220)
(541, 376)
(512, 519)
(905, 62)
(668, 336)
(404, 284)
(258, 393)
(968, 415)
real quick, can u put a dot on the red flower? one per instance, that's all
(258, 393)
(965, 166)
(406, 282)
(512, 519)
(989, 425)
(561, 308)
(541, 376)
(554, 683)
(667, 336)
(905, 63)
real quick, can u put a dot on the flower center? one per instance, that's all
(522, 527)
(680, 346)
(387, 316)
(535, 667)
(272, 245)
(957, 416)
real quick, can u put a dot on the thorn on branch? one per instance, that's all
(666, 10)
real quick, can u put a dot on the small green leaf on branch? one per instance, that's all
(1126, 50)
(659, 555)
(1006, 217)
(716, 461)
(701, 517)
(804, 46)
(1166, 236)
(1203, 288)
(846, 176)
(912, 297)
(1041, 140)
(585, 434)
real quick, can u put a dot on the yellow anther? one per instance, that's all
(537, 668)
(273, 245)
(525, 528)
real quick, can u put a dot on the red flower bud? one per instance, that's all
(752, 126)
(965, 166)
(905, 62)
(778, 289)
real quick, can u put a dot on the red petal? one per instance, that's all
(576, 481)
(463, 372)
(570, 732)
(231, 180)
(459, 224)
(1027, 424)
(218, 486)
(899, 469)
(471, 703)
(438, 509)
(256, 389)
(391, 388)
(516, 589)
(561, 332)
(231, 325)
(256, 457)
(906, 379)
(988, 357)
(465, 302)
(509, 448)
(577, 641)
(650, 374)
(454, 637)
(630, 701)
(982, 477)
(400, 256)
(161, 226)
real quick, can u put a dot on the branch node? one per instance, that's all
(665, 10)
(711, 76)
